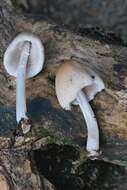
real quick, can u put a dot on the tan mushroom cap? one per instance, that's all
(3, 183)
(13, 52)
(72, 77)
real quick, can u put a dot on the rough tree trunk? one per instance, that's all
(51, 124)
(109, 15)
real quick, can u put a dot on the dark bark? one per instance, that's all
(109, 15)
(52, 124)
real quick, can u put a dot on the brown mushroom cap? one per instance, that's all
(13, 52)
(72, 77)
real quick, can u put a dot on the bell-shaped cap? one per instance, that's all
(72, 77)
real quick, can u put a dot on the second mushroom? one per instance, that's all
(77, 84)
(23, 59)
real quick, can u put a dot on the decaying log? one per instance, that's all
(19, 173)
(109, 15)
(52, 124)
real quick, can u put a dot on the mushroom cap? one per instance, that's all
(72, 77)
(13, 52)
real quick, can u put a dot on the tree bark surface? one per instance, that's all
(52, 124)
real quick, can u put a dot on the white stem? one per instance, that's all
(20, 83)
(92, 127)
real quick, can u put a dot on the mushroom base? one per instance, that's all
(25, 125)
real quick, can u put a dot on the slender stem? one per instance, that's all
(92, 127)
(20, 83)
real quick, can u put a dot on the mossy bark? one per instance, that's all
(52, 124)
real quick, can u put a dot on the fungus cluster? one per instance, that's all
(23, 59)
(77, 84)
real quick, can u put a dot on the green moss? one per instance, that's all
(59, 140)
(41, 132)
(8, 116)
(54, 137)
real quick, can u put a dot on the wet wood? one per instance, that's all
(52, 124)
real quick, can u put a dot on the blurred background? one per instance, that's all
(101, 17)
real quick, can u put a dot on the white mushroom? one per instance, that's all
(23, 59)
(78, 84)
